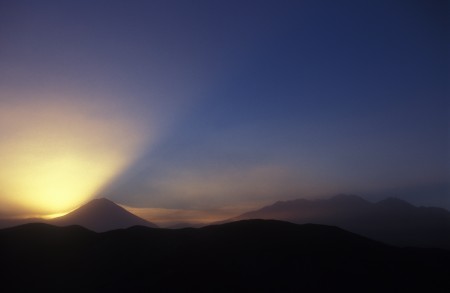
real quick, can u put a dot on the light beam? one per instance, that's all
(56, 153)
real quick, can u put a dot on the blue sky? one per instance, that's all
(241, 102)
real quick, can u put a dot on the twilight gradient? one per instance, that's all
(214, 104)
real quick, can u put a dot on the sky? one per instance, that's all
(222, 105)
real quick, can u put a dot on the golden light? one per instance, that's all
(56, 155)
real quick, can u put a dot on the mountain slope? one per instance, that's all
(392, 220)
(101, 215)
(244, 256)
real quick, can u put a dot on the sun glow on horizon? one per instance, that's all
(54, 216)
(56, 156)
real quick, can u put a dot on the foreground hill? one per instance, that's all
(392, 220)
(244, 256)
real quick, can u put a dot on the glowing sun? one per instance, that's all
(57, 155)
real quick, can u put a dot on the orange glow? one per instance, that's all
(56, 156)
(167, 217)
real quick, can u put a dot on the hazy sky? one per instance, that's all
(207, 104)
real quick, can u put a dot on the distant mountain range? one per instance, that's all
(243, 256)
(99, 215)
(392, 220)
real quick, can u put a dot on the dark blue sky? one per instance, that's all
(247, 102)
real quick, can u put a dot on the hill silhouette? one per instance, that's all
(392, 220)
(101, 215)
(243, 256)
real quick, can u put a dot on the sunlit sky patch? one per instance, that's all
(57, 153)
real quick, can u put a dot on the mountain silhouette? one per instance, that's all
(7, 223)
(392, 220)
(242, 256)
(101, 215)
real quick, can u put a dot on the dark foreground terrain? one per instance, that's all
(244, 256)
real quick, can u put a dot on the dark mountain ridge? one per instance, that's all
(244, 256)
(392, 220)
